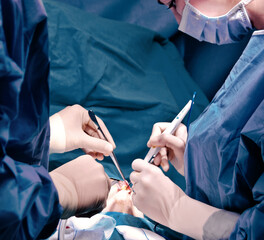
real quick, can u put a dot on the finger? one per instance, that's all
(99, 156)
(134, 177)
(157, 160)
(157, 129)
(156, 138)
(92, 154)
(95, 144)
(91, 129)
(95, 155)
(164, 159)
(181, 132)
(167, 140)
(172, 142)
(138, 165)
(88, 125)
(156, 141)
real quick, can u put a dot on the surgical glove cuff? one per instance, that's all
(68, 197)
(57, 134)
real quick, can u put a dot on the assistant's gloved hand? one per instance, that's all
(173, 146)
(154, 193)
(163, 201)
(72, 128)
(82, 185)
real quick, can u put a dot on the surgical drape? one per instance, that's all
(29, 200)
(130, 76)
(224, 159)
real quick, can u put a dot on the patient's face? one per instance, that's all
(120, 200)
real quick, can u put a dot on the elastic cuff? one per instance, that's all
(57, 134)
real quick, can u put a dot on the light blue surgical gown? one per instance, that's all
(224, 158)
(29, 206)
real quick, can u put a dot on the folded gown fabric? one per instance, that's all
(130, 76)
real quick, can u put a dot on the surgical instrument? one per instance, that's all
(153, 151)
(112, 155)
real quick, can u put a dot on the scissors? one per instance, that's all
(112, 154)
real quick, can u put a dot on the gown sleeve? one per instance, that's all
(250, 225)
(224, 157)
(29, 204)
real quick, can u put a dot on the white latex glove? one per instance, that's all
(82, 185)
(154, 193)
(72, 128)
(172, 146)
(163, 201)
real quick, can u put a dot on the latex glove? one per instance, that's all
(163, 201)
(173, 146)
(154, 193)
(82, 185)
(72, 128)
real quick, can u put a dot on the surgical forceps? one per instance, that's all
(112, 154)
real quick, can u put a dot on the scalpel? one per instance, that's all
(153, 151)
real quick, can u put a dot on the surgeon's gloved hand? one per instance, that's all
(72, 128)
(172, 146)
(163, 201)
(154, 194)
(82, 185)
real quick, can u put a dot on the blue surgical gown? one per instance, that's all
(29, 206)
(224, 158)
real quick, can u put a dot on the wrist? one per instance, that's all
(68, 197)
(57, 134)
(188, 216)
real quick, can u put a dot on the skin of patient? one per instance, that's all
(120, 200)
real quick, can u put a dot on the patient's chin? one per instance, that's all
(120, 200)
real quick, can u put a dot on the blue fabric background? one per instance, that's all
(130, 76)
(208, 64)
